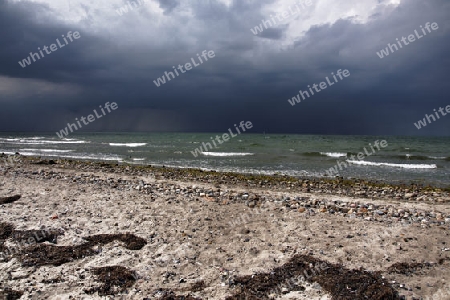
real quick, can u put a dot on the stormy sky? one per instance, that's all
(118, 57)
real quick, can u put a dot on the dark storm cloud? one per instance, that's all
(250, 78)
(168, 5)
(272, 33)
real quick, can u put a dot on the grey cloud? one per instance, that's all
(250, 78)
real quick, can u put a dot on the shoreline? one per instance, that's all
(340, 185)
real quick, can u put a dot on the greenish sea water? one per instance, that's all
(405, 159)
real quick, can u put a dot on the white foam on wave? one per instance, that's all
(227, 153)
(76, 156)
(8, 152)
(138, 159)
(127, 144)
(58, 142)
(18, 139)
(404, 166)
(94, 157)
(42, 142)
(333, 154)
(47, 150)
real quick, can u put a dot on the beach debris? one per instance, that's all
(10, 294)
(11, 199)
(6, 230)
(131, 241)
(408, 269)
(44, 254)
(339, 282)
(113, 280)
(37, 236)
(45, 162)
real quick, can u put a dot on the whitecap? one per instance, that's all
(404, 166)
(227, 153)
(127, 144)
(333, 154)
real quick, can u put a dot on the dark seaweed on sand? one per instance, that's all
(44, 254)
(10, 294)
(6, 230)
(408, 268)
(37, 236)
(339, 282)
(113, 279)
(131, 241)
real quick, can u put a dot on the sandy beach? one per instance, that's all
(84, 230)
